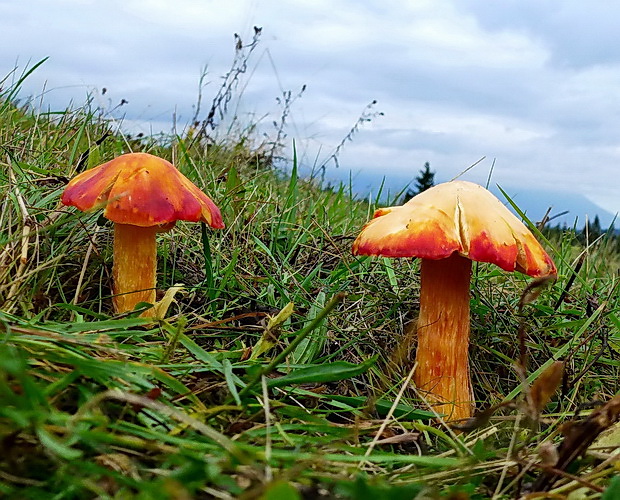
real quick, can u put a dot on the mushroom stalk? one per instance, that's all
(135, 265)
(443, 336)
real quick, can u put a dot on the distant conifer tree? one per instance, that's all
(424, 180)
(593, 230)
(597, 230)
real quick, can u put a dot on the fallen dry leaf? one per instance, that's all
(578, 436)
(542, 389)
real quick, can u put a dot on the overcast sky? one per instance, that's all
(534, 85)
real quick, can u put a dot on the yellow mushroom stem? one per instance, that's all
(135, 266)
(442, 371)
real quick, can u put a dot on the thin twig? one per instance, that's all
(268, 472)
(388, 417)
(78, 288)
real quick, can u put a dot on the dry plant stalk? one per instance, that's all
(17, 278)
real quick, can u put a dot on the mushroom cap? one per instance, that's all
(460, 217)
(141, 190)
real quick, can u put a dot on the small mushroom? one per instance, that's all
(448, 226)
(143, 195)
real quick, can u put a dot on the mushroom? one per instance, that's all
(143, 195)
(448, 226)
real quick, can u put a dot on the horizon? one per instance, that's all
(534, 203)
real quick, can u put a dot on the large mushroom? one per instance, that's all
(448, 226)
(143, 195)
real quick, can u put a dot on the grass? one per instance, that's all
(282, 370)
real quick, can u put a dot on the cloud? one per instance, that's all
(532, 84)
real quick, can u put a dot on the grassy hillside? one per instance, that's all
(94, 405)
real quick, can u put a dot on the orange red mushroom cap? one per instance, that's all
(460, 217)
(141, 190)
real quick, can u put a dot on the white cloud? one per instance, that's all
(533, 84)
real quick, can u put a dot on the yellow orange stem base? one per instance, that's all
(135, 265)
(442, 372)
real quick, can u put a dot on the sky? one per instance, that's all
(531, 86)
